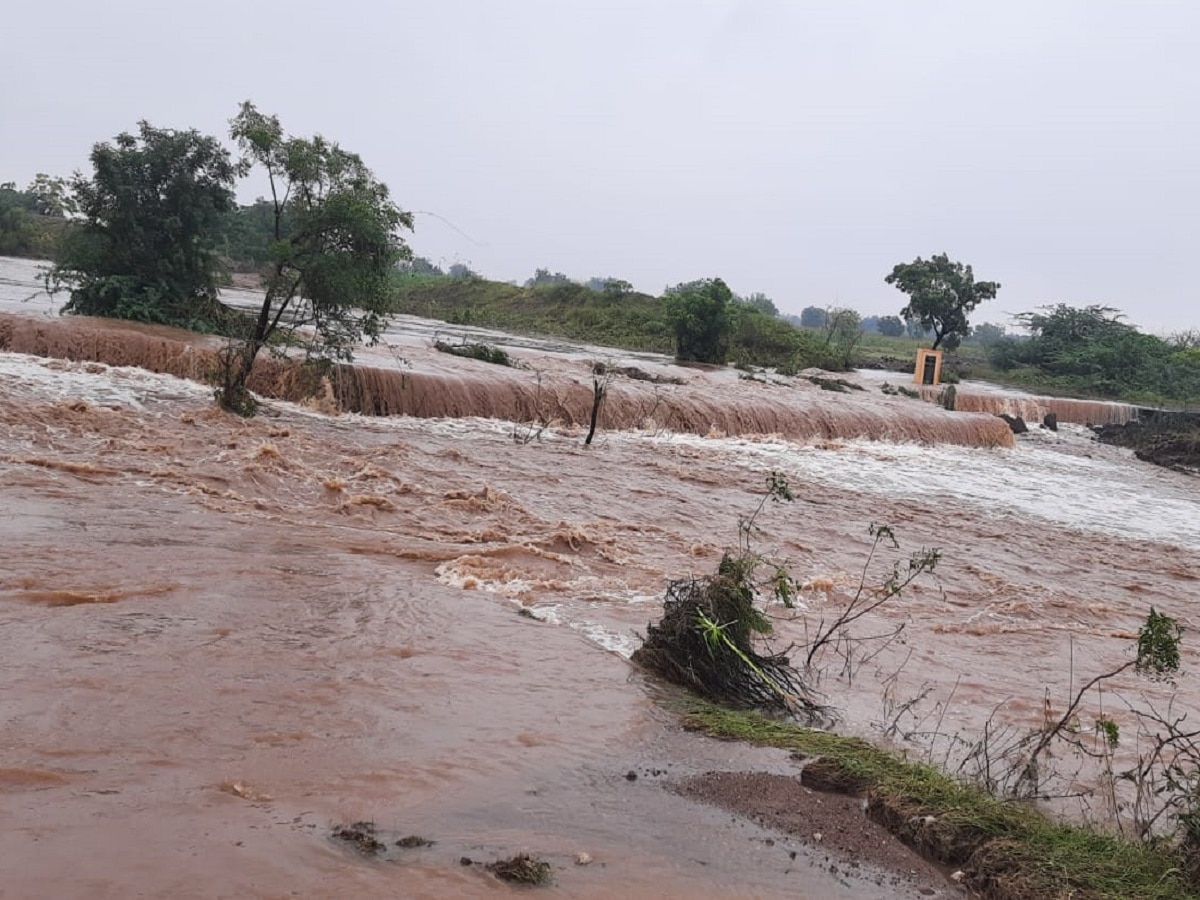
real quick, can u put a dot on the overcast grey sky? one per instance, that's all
(797, 148)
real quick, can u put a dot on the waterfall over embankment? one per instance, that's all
(560, 393)
(1035, 409)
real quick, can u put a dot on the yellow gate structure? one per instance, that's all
(929, 367)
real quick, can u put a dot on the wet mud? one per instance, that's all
(831, 822)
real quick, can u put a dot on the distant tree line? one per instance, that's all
(32, 221)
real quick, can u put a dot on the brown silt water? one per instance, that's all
(221, 639)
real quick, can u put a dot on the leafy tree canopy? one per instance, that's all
(336, 244)
(843, 332)
(51, 197)
(812, 317)
(941, 294)
(145, 248)
(1063, 324)
(699, 314)
(987, 333)
(611, 288)
(18, 225)
(419, 265)
(1090, 350)
(890, 326)
(546, 278)
(760, 302)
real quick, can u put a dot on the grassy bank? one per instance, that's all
(633, 321)
(1005, 849)
(628, 320)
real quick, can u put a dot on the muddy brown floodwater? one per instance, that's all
(220, 639)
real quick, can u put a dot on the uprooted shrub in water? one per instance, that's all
(705, 642)
(705, 639)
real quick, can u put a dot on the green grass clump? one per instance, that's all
(1006, 849)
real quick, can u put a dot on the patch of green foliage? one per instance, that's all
(245, 235)
(701, 318)
(1158, 646)
(144, 249)
(1091, 351)
(482, 352)
(33, 221)
(1005, 847)
(761, 339)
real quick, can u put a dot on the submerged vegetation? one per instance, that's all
(707, 639)
(983, 822)
(522, 869)
(483, 352)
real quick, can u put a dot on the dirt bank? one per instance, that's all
(1170, 440)
(831, 822)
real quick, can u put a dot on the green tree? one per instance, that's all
(52, 197)
(18, 226)
(941, 294)
(890, 326)
(610, 288)
(336, 244)
(246, 235)
(986, 334)
(150, 219)
(762, 303)
(812, 317)
(843, 332)
(616, 288)
(699, 314)
(1091, 350)
(546, 278)
(419, 265)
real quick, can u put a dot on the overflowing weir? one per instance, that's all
(1035, 409)
(558, 394)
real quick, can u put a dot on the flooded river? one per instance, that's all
(220, 638)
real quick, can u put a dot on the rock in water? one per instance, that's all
(1016, 423)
